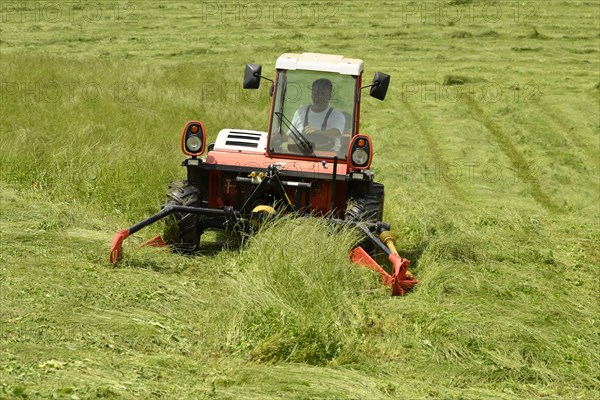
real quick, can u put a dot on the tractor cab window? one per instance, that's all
(312, 114)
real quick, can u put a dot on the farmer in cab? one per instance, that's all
(320, 118)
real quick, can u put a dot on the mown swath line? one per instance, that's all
(564, 128)
(434, 149)
(517, 160)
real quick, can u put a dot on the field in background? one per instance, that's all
(488, 144)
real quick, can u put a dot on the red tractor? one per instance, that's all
(312, 161)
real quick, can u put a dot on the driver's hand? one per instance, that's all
(284, 146)
(309, 129)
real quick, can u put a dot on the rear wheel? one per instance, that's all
(183, 231)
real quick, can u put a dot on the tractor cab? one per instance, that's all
(316, 104)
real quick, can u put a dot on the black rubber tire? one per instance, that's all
(182, 231)
(368, 207)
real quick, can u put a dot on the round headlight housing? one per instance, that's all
(193, 143)
(193, 139)
(360, 157)
(360, 152)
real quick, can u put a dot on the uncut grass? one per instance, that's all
(99, 150)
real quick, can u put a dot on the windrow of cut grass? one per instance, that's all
(296, 297)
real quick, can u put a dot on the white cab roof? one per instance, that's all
(320, 62)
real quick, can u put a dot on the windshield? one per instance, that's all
(313, 114)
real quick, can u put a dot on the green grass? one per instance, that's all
(494, 195)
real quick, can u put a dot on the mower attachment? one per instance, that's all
(116, 247)
(377, 233)
(400, 280)
(117, 244)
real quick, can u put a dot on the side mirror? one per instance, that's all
(252, 76)
(380, 85)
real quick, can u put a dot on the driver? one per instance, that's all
(320, 117)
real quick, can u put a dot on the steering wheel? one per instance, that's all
(321, 142)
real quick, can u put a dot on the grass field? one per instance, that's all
(488, 144)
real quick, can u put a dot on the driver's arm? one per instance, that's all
(329, 132)
(297, 121)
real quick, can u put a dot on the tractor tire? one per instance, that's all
(368, 207)
(182, 231)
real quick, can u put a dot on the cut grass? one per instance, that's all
(478, 321)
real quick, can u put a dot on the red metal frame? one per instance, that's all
(268, 153)
(358, 96)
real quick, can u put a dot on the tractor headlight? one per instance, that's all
(193, 139)
(360, 157)
(360, 152)
(193, 144)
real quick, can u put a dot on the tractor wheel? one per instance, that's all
(368, 207)
(182, 231)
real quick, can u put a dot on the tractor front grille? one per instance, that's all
(240, 140)
(244, 139)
